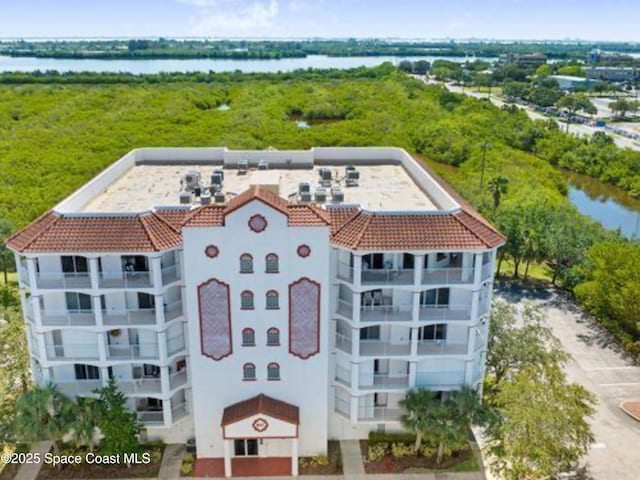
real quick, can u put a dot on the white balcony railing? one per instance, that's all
(441, 347)
(138, 279)
(383, 381)
(23, 274)
(447, 276)
(379, 414)
(60, 280)
(170, 274)
(343, 343)
(67, 318)
(444, 313)
(179, 411)
(151, 417)
(71, 351)
(343, 375)
(342, 406)
(136, 351)
(487, 271)
(175, 344)
(173, 310)
(345, 309)
(440, 379)
(386, 276)
(133, 316)
(78, 387)
(375, 348)
(386, 313)
(345, 272)
(141, 386)
(178, 379)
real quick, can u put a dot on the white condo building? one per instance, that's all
(261, 302)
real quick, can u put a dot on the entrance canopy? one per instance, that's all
(260, 417)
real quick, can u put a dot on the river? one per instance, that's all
(147, 66)
(611, 206)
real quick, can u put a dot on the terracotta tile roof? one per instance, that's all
(261, 404)
(341, 215)
(135, 233)
(307, 215)
(174, 216)
(376, 231)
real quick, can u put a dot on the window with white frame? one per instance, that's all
(433, 332)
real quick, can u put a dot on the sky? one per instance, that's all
(429, 19)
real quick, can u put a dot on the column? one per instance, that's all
(156, 272)
(355, 342)
(413, 374)
(31, 272)
(477, 272)
(97, 311)
(36, 312)
(294, 457)
(355, 314)
(355, 375)
(21, 273)
(227, 458)
(357, 271)
(162, 347)
(353, 404)
(418, 265)
(160, 310)
(102, 346)
(93, 273)
(475, 304)
(167, 415)
(416, 307)
(165, 381)
(414, 342)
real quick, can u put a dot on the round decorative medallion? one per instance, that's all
(260, 425)
(257, 223)
(211, 251)
(304, 251)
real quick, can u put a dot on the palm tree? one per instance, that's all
(498, 186)
(416, 403)
(44, 413)
(87, 420)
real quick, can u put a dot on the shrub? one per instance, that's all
(399, 450)
(187, 464)
(428, 451)
(377, 451)
(313, 462)
(405, 438)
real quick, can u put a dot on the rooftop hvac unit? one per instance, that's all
(325, 174)
(185, 197)
(219, 197)
(205, 199)
(217, 178)
(304, 187)
(337, 195)
(215, 188)
(263, 165)
(243, 167)
(304, 197)
(191, 181)
(320, 195)
(353, 177)
(197, 191)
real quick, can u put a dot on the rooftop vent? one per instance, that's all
(219, 197)
(217, 178)
(243, 167)
(185, 197)
(352, 175)
(320, 195)
(304, 197)
(191, 181)
(325, 176)
(205, 199)
(263, 165)
(304, 187)
(337, 195)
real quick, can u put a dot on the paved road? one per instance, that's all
(575, 128)
(599, 366)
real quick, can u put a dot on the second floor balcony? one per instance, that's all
(63, 280)
(133, 351)
(68, 318)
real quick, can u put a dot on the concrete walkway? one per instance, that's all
(351, 458)
(29, 471)
(171, 461)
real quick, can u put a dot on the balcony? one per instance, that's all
(141, 351)
(447, 276)
(386, 313)
(387, 276)
(175, 344)
(379, 414)
(376, 348)
(23, 274)
(71, 351)
(178, 379)
(440, 379)
(343, 375)
(430, 313)
(151, 417)
(343, 343)
(79, 388)
(68, 318)
(345, 309)
(383, 381)
(441, 347)
(342, 406)
(134, 316)
(173, 310)
(137, 279)
(170, 274)
(487, 272)
(179, 411)
(63, 281)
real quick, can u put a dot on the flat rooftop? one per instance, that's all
(390, 180)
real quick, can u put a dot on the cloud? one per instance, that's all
(215, 17)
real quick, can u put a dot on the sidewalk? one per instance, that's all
(29, 471)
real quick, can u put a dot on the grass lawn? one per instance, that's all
(469, 465)
(12, 277)
(537, 271)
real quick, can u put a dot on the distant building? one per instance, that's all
(597, 56)
(613, 74)
(568, 82)
(532, 60)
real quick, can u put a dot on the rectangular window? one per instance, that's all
(273, 338)
(246, 302)
(433, 332)
(407, 260)
(86, 372)
(245, 447)
(441, 256)
(146, 300)
(435, 297)
(78, 301)
(272, 302)
(74, 264)
(370, 333)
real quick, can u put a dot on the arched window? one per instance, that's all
(273, 337)
(248, 337)
(271, 262)
(246, 300)
(273, 371)
(248, 371)
(246, 263)
(272, 300)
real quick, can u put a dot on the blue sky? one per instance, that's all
(500, 19)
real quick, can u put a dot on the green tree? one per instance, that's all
(574, 103)
(415, 405)
(44, 413)
(498, 186)
(118, 424)
(622, 106)
(6, 256)
(542, 428)
(88, 417)
(543, 70)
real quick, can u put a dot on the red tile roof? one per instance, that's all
(261, 404)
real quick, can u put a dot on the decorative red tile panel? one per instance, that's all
(257, 223)
(304, 318)
(211, 251)
(215, 319)
(260, 424)
(304, 251)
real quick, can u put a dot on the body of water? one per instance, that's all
(611, 206)
(147, 66)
